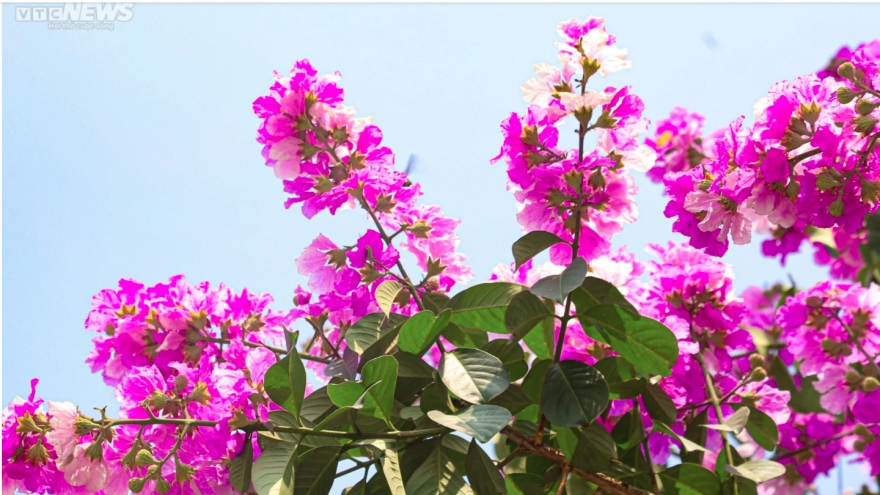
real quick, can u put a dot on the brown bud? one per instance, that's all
(183, 472)
(180, 383)
(84, 425)
(158, 399)
(597, 179)
(836, 208)
(865, 106)
(846, 95)
(860, 445)
(145, 458)
(163, 486)
(853, 377)
(847, 71)
(864, 124)
(826, 181)
(792, 189)
(870, 190)
(756, 361)
(863, 431)
(758, 374)
(95, 450)
(870, 384)
(136, 485)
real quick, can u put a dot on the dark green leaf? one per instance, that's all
(556, 287)
(514, 399)
(437, 476)
(658, 404)
(481, 472)
(628, 431)
(316, 405)
(367, 330)
(696, 434)
(480, 421)
(646, 343)
(473, 375)
(297, 382)
(316, 471)
(540, 339)
(483, 305)
(525, 311)
(420, 331)
(690, 479)
(762, 429)
(278, 381)
(534, 381)
(273, 471)
(532, 244)
(595, 291)
(595, 448)
(573, 394)
(434, 301)
(240, 468)
(511, 356)
(620, 377)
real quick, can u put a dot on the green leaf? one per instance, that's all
(474, 375)
(556, 287)
(511, 356)
(595, 448)
(540, 339)
(481, 472)
(534, 381)
(734, 423)
(644, 342)
(367, 330)
(434, 301)
(573, 394)
(757, 471)
(437, 475)
(316, 471)
(483, 306)
(480, 421)
(240, 468)
(316, 405)
(762, 429)
(385, 294)
(376, 390)
(595, 291)
(686, 444)
(412, 366)
(514, 399)
(658, 404)
(696, 433)
(420, 331)
(532, 244)
(272, 473)
(628, 431)
(391, 467)
(620, 375)
(280, 380)
(525, 311)
(690, 479)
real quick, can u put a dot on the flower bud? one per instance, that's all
(863, 431)
(756, 361)
(420, 229)
(26, 424)
(183, 472)
(815, 302)
(597, 179)
(323, 184)
(826, 181)
(865, 106)
(870, 384)
(180, 383)
(38, 454)
(847, 71)
(864, 124)
(163, 486)
(153, 472)
(860, 445)
(158, 399)
(705, 184)
(853, 377)
(95, 450)
(145, 458)
(870, 191)
(758, 374)
(810, 112)
(200, 394)
(792, 189)
(84, 425)
(136, 485)
(836, 208)
(846, 95)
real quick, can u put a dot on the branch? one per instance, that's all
(605, 483)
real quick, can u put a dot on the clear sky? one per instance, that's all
(131, 153)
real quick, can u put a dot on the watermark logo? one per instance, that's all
(80, 16)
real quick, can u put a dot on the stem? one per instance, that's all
(276, 350)
(510, 457)
(810, 445)
(647, 449)
(604, 482)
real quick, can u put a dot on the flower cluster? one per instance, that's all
(330, 159)
(680, 144)
(809, 161)
(570, 192)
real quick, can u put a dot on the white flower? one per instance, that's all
(590, 99)
(596, 48)
(63, 434)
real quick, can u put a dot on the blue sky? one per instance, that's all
(131, 153)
